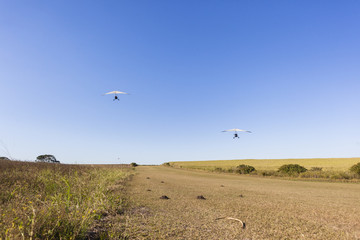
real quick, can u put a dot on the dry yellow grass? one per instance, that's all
(271, 208)
(58, 201)
(328, 164)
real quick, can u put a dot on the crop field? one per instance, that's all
(270, 208)
(328, 164)
(57, 201)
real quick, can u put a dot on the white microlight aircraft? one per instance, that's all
(115, 92)
(236, 130)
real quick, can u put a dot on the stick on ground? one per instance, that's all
(231, 218)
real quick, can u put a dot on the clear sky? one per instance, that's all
(289, 71)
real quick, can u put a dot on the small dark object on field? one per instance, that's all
(147, 178)
(149, 190)
(222, 186)
(241, 195)
(244, 225)
(162, 181)
(164, 197)
(201, 197)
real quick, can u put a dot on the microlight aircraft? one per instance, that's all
(236, 130)
(116, 93)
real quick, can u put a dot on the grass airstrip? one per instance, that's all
(271, 208)
(60, 201)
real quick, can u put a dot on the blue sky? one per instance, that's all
(289, 71)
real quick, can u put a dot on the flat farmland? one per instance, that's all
(328, 164)
(270, 208)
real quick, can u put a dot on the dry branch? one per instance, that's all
(231, 218)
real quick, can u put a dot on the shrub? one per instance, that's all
(340, 175)
(355, 168)
(166, 164)
(229, 170)
(265, 173)
(315, 174)
(134, 164)
(244, 169)
(316, 169)
(219, 169)
(292, 169)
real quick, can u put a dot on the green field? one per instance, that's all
(328, 164)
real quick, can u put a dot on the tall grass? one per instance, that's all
(335, 169)
(327, 164)
(57, 201)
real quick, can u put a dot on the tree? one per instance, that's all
(47, 159)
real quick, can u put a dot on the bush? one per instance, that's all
(266, 173)
(134, 164)
(340, 175)
(166, 164)
(355, 168)
(316, 169)
(244, 169)
(315, 174)
(219, 169)
(292, 169)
